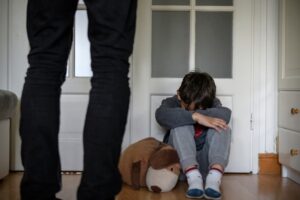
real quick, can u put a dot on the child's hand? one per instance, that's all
(211, 122)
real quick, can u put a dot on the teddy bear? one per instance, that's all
(150, 163)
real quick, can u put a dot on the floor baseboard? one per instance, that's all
(269, 164)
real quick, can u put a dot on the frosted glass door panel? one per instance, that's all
(214, 2)
(214, 43)
(82, 46)
(170, 43)
(171, 2)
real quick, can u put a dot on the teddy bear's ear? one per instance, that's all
(163, 158)
(135, 174)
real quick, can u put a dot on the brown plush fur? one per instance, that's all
(158, 159)
(135, 160)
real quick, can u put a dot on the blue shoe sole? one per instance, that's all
(212, 194)
(195, 194)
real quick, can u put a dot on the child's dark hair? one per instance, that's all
(198, 87)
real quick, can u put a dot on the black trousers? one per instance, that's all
(111, 33)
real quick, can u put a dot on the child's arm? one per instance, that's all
(210, 122)
(171, 115)
(217, 111)
(216, 117)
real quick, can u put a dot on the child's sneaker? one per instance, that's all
(195, 182)
(212, 184)
(212, 194)
(194, 193)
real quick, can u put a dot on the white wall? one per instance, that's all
(18, 48)
(3, 43)
(18, 45)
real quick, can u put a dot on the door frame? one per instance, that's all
(264, 78)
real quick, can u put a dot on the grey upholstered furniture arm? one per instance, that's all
(8, 102)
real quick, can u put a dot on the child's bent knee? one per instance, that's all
(183, 130)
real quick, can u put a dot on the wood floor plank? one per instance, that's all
(234, 187)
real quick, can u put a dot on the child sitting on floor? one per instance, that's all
(198, 130)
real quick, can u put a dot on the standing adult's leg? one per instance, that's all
(111, 33)
(49, 28)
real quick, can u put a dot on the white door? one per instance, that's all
(176, 36)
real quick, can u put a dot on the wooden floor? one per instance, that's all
(234, 187)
